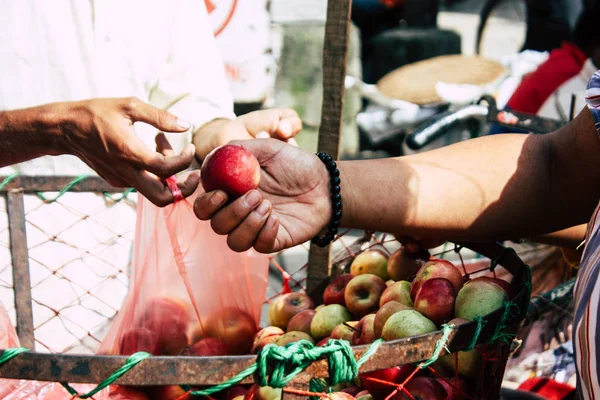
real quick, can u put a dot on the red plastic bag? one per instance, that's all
(189, 294)
(13, 389)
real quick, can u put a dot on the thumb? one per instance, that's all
(263, 149)
(137, 110)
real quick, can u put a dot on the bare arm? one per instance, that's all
(491, 188)
(99, 132)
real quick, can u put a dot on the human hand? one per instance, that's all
(100, 132)
(290, 207)
(416, 244)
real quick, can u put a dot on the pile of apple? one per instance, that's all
(406, 294)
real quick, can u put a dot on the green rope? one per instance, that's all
(227, 384)
(121, 196)
(8, 179)
(131, 362)
(9, 354)
(317, 385)
(478, 329)
(439, 346)
(507, 316)
(63, 190)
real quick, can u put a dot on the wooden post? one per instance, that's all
(335, 57)
(20, 267)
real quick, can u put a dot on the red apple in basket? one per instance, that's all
(398, 291)
(301, 321)
(435, 300)
(234, 327)
(344, 331)
(139, 339)
(266, 336)
(363, 293)
(170, 392)
(394, 375)
(405, 324)
(370, 262)
(323, 342)
(352, 390)
(292, 337)
(501, 282)
(124, 393)
(422, 388)
(230, 168)
(257, 392)
(169, 318)
(456, 387)
(340, 396)
(207, 347)
(285, 307)
(334, 292)
(403, 265)
(385, 312)
(364, 331)
(437, 268)
(236, 393)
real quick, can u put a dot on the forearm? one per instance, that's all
(570, 237)
(492, 188)
(207, 137)
(29, 133)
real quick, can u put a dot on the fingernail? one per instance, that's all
(285, 127)
(217, 198)
(263, 135)
(252, 199)
(183, 124)
(263, 209)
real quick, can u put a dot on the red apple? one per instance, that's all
(265, 336)
(469, 363)
(139, 339)
(170, 392)
(364, 332)
(505, 285)
(363, 293)
(334, 292)
(287, 306)
(236, 393)
(207, 347)
(340, 396)
(479, 298)
(422, 388)
(234, 327)
(230, 168)
(394, 375)
(257, 392)
(125, 393)
(437, 268)
(195, 333)
(323, 342)
(456, 387)
(403, 265)
(405, 324)
(168, 317)
(352, 390)
(344, 331)
(326, 319)
(435, 300)
(398, 291)
(385, 312)
(370, 262)
(301, 321)
(292, 337)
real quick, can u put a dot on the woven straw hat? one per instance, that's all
(416, 82)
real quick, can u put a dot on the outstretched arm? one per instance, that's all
(99, 132)
(491, 188)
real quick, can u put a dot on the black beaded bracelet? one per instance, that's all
(336, 201)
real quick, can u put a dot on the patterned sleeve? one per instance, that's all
(592, 98)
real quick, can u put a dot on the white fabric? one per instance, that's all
(162, 51)
(558, 105)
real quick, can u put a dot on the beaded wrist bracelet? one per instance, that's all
(336, 201)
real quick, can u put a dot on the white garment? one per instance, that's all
(162, 51)
(558, 105)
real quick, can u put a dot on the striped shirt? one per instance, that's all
(587, 288)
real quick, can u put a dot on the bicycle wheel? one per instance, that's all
(502, 28)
